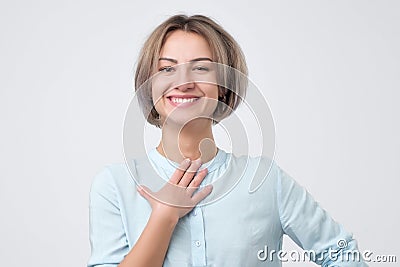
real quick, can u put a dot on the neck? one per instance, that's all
(194, 140)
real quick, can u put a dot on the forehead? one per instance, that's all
(184, 46)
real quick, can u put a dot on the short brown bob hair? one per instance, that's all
(225, 51)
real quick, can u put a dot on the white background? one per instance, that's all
(329, 69)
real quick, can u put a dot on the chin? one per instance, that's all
(189, 121)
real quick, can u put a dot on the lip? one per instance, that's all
(183, 96)
(182, 105)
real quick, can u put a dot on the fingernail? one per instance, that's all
(209, 187)
(197, 161)
(205, 170)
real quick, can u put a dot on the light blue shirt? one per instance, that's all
(240, 229)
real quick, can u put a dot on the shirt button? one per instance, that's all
(194, 212)
(198, 243)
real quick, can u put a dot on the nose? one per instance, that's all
(184, 80)
(185, 87)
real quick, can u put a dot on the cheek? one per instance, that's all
(211, 93)
(156, 93)
(157, 101)
(210, 90)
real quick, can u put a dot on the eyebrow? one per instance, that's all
(193, 60)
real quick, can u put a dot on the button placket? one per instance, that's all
(197, 237)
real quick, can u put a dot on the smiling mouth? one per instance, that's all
(179, 100)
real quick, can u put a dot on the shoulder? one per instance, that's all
(254, 162)
(109, 178)
(258, 170)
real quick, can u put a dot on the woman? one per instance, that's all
(136, 226)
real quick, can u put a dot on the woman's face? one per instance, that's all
(177, 93)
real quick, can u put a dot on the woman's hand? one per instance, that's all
(173, 201)
(178, 197)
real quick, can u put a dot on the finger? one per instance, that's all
(190, 172)
(180, 171)
(196, 181)
(202, 194)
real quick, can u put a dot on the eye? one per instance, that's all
(166, 69)
(200, 68)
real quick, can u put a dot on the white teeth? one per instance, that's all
(183, 100)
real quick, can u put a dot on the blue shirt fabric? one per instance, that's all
(229, 232)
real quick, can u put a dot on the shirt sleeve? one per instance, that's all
(108, 240)
(311, 227)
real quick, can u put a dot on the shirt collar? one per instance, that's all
(170, 166)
